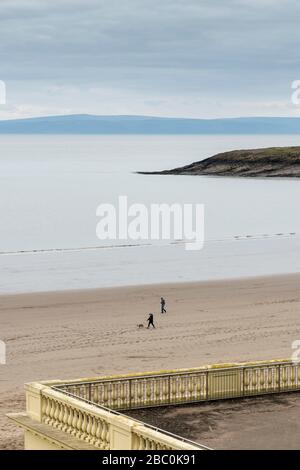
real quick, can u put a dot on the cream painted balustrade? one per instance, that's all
(83, 414)
(78, 423)
(83, 422)
(147, 438)
(188, 386)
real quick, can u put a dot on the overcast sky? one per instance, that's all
(194, 58)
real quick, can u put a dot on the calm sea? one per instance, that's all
(50, 187)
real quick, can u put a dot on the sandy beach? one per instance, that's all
(72, 334)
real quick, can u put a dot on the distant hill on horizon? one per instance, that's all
(92, 124)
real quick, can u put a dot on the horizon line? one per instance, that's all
(145, 116)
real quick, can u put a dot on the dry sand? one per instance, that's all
(93, 332)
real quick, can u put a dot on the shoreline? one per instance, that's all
(93, 332)
(144, 285)
(235, 259)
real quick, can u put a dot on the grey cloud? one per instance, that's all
(151, 33)
(162, 45)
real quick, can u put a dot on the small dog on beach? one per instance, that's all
(140, 325)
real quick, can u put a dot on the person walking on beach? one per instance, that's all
(150, 320)
(163, 305)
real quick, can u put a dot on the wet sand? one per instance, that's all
(75, 334)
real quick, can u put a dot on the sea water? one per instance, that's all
(50, 187)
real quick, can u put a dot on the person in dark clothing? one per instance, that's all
(163, 305)
(150, 320)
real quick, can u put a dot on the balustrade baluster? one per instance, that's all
(98, 434)
(84, 427)
(70, 420)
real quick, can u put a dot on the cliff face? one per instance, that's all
(267, 162)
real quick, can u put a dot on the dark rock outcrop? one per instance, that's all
(266, 162)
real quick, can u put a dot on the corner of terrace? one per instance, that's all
(90, 414)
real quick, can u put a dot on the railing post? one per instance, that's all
(34, 400)
(121, 434)
(207, 390)
(169, 389)
(279, 377)
(243, 381)
(129, 394)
